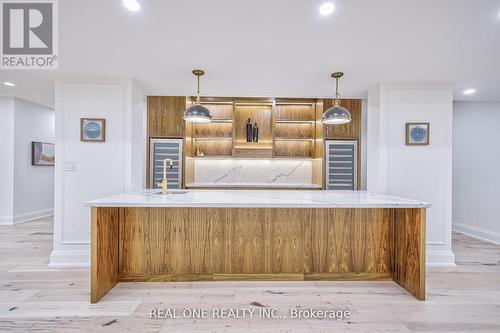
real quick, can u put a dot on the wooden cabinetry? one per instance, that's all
(287, 127)
(215, 138)
(260, 113)
(295, 130)
(165, 120)
(218, 244)
(165, 116)
(350, 131)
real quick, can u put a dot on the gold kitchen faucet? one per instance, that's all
(163, 183)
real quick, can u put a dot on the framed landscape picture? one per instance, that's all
(417, 134)
(93, 129)
(42, 154)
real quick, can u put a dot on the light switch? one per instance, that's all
(70, 165)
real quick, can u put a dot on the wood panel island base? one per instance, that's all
(295, 235)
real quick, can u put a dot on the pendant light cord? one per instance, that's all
(337, 95)
(198, 91)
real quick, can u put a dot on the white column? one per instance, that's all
(101, 168)
(376, 159)
(421, 172)
(138, 136)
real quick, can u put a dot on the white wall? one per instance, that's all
(33, 185)
(7, 160)
(421, 172)
(28, 192)
(476, 165)
(102, 168)
(138, 130)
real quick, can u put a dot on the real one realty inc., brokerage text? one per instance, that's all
(248, 313)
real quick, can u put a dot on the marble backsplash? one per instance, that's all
(248, 171)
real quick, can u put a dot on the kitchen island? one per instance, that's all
(206, 235)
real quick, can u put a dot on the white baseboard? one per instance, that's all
(26, 217)
(6, 220)
(70, 258)
(440, 258)
(479, 233)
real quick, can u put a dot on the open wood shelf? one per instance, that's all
(301, 148)
(213, 130)
(211, 147)
(285, 121)
(213, 138)
(219, 111)
(293, 139)
(221, 120)
(288, 127)
(252, 145)
(260, 113)
(295, 130)
(295, 112)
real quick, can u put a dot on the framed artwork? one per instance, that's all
(42, 153)
(417, 134)
(93, 129)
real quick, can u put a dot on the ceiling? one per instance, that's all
(274, 48)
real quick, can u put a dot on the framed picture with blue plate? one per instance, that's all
(417, 134)
(93, 129)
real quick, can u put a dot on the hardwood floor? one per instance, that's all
(36, 298)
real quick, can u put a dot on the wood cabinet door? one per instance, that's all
(351, 130)
(165, 116)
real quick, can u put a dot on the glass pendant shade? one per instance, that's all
(198, 113)
(336, 115)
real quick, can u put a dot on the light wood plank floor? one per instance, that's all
(36, 298)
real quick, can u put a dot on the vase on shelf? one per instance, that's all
(249, 130)
(255, 133)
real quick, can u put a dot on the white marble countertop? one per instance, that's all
(254, 185)
(257, 199)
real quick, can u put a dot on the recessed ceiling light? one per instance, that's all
(132, 5)
(10, 84)
(469, 91)
(327, 8)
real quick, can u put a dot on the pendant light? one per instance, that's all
(197, 113)
(336, 115)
